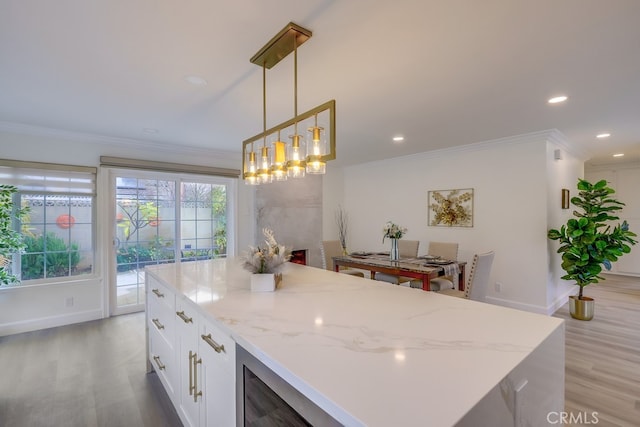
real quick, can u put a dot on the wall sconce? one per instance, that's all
(277, 159)
(565, 198)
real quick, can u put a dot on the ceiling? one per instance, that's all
(441, 73)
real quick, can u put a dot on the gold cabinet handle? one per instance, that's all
(158, 293)
(157, 323)
(196, 393)
(158, 362)
(191, 356)
(217, 347)
(184, 317)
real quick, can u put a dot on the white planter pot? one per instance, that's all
(266, 282)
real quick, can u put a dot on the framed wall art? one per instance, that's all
(450, 208)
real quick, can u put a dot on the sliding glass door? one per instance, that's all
(162, 218)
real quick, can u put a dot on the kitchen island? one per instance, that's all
(371, 353)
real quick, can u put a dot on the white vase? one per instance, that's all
(265, 282)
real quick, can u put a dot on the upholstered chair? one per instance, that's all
(331, 248)
(444, 250)
(478, 283)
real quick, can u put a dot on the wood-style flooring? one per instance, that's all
(84, 375)
(603, 356)
(93, 374)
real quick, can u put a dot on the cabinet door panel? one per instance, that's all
(217, 350)
(187, 341)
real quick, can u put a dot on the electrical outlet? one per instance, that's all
(68, 302)
(498, 287)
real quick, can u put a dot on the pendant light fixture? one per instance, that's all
(303, 153)
(316, 149)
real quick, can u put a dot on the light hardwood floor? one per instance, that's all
(84, 375)
(93, 374)
(603, 355)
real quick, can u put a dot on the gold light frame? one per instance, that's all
(331, 133)
(281, 45)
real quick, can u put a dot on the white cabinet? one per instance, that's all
(194, 359)
(217, 351)
(188, 396)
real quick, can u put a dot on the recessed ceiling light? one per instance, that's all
(398, 138)
(603, 135)
(618, 155)
(150, 130)
(196, 80)
(557, 99)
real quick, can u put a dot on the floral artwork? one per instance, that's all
(451, 208)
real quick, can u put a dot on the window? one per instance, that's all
(58, 226)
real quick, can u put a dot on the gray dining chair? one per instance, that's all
(406, 249)
(331, 248)
(478, 283)
(443, 250)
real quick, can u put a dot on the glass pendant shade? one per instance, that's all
(279, 161)
(316, 149)
(264, 171)
(295, 163)
(250, 175)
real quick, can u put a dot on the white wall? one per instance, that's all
(509, 178)
(624, 178)
(25, 308)
(561, 173)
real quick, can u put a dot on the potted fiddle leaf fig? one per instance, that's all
(589, 242)
(10, 239)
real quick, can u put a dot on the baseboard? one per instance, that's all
(49, 322)
(517, 305)
(548, 310)
(561, 300)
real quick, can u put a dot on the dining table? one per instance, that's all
(422, 268)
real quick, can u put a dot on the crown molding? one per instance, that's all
(111, 141)
(613, 165)
(552, 135)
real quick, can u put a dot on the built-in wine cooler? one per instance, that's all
(265, 399)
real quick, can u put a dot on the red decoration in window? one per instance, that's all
(65, 221)
(154, 221)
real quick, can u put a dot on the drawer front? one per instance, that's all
(162, 357)
(159, 293)
(218, 345)
(162, 320)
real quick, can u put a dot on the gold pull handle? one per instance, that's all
(158, 362)
(158, 293)
(157, 323)
(191, 356)
(217, 347)
(196, 393)
(184, 317)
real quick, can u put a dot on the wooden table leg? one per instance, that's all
(461, 278)
(426, 282)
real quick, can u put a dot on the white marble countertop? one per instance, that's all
(369, 353)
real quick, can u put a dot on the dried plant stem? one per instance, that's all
(342, 220)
